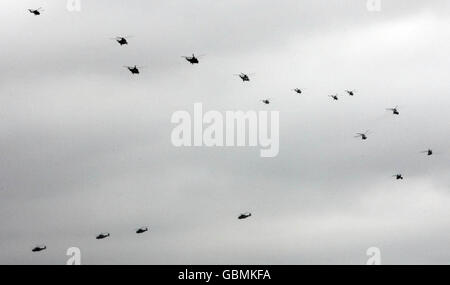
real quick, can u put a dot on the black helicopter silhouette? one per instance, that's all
(428, 152)
(350, 92)
(362, 135)
(102, 236)
(244, 216)
(266, 101)
(36, 12)
(394, 110)
(142, 230)
(192, 59)
(243, 76)
(133, 69)
(335, 97)
(297, 90)
(121, 40)
(39, 248)
(398, 176)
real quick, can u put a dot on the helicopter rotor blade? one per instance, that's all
(41, 245)
(120, 37)
(141, 228)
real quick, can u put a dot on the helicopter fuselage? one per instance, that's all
(122, 41)
(37, 249)
(244, 216)
(133, 70)
(140, 231)
(192, 60)
(244, 77)
(102, 236)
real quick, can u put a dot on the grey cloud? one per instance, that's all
(86, 147)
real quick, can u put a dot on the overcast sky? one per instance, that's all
(85, 146)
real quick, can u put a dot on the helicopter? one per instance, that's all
(39, 248)
(244, 216)
(36, 12)
(142, 230)
(192, 59)
(428, 152)
(243, 76)
(398, 176)
(102, 236)
(350, 92)
(394, 110)
(121, 40)
(266, 101)
(362, 135)
(335, 97)
(133, 69)
(297, 90)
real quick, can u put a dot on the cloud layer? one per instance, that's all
(85, 146)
